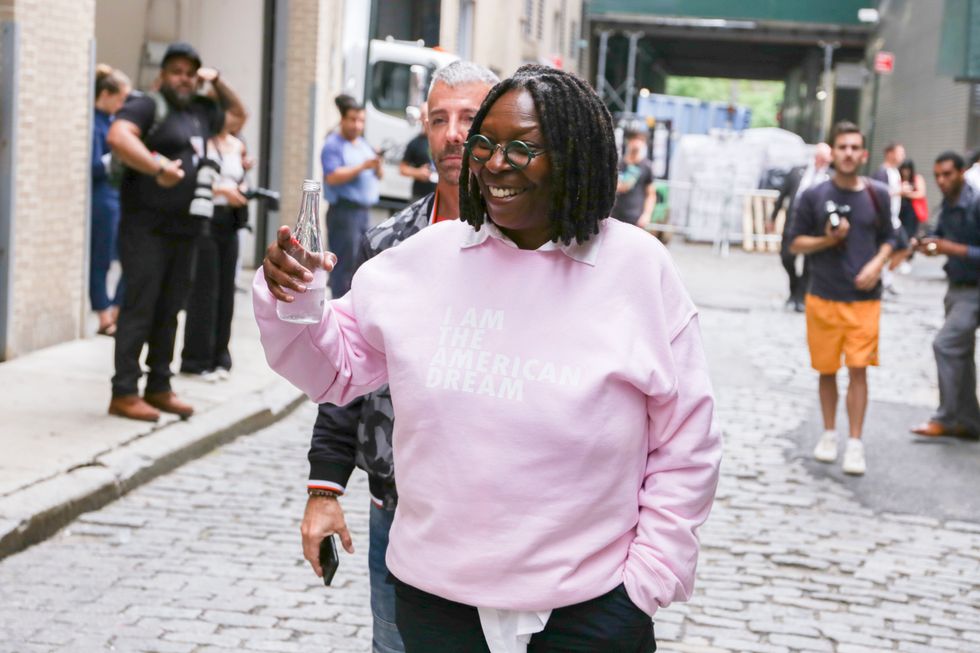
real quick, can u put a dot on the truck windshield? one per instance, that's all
(390, 87)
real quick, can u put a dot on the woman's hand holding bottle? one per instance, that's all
(288, 267)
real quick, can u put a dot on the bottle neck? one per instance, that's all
(310, 204)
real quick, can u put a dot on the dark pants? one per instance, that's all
(610, 623)
(211, 304)
(955, 350)
(346, 225)
(103, 249)
(797, 282)
(158, 269)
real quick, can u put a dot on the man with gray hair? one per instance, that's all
(360, 433)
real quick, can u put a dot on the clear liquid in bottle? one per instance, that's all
(307, 307)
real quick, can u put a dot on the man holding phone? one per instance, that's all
(844, 225)
(351, 171)
(360, 432)
(956, 236)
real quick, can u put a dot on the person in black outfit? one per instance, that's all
(160, 138)
(417, 163)
(211, 305)
(635, 193)
(798, 180)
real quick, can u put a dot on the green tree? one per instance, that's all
(762, 97)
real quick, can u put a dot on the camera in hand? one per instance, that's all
(834, 213)
(270, 197)
(202, 206)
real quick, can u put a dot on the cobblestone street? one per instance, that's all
(796, 558)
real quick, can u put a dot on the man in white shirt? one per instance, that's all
(972, 174)
(889, 175)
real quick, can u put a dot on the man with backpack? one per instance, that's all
(844, 225)
(160, 138)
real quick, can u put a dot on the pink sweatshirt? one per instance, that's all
(554, 432)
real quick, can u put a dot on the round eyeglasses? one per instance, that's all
(517, 154)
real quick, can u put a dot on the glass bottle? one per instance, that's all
(307, 307)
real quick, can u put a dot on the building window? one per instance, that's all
(527, 17)
(560, 17)
(573, 41)
(465, 39)
(539, 32)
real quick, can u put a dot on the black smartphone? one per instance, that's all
(328, 558)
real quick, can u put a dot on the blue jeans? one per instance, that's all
(386, 638)
(346, 226)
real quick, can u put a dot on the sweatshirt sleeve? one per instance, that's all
(679, 483)
(331, 361)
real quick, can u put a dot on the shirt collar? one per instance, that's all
(963, 201)
(586, 252)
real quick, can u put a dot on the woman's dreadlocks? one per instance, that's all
(578, 133)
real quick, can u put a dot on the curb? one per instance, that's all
(37, 512)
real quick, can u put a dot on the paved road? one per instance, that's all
(203, 560)
(796, 558)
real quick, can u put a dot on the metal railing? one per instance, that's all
(722, 215)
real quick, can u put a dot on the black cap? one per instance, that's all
(181, 49)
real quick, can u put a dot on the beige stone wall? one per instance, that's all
(505, 37)
(313, 77)
(49, 247)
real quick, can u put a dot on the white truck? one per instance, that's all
(392, 79)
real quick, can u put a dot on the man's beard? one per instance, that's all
(450, 150)
(175, 98)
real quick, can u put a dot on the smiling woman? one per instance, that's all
(567, 182)
(554, 434)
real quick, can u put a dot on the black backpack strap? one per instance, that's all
(874, 201)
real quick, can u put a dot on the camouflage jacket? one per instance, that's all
(360, 432)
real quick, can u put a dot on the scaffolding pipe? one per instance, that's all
(631, 70)
(600, 81)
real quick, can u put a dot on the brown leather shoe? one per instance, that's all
(133, 407)
(169, 403)
(938, 430)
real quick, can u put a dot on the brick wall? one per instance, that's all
(48, 297)
(312, 66)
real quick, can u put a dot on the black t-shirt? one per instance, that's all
(629, 205)
(181, 135)
(417, 155)
(833, 270)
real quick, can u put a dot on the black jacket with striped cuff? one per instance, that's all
(359, 434)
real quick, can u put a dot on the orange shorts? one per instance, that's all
(836, 329)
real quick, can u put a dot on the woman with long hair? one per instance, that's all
(112, 87)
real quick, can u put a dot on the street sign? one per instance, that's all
(885, 63)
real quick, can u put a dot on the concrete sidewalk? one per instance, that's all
(63, 454)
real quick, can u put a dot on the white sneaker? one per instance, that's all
(854, 457)
(826, 449)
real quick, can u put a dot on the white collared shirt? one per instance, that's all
(586, 252)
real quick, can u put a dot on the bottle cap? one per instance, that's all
(311, 185)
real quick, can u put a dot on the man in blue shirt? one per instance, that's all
(351, 171)
(957, 236)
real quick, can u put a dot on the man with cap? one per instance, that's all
(160, 137)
